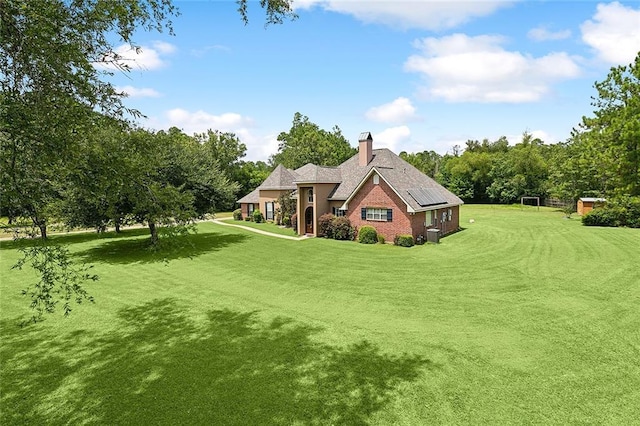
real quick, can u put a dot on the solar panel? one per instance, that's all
(426, 197)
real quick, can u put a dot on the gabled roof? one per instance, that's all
(417, 190)
(310, 173)
(401, 176)
(251, 198)
(280, 178)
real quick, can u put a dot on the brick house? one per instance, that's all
(374, 187)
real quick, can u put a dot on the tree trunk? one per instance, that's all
(154, 233)
(41, 224)
(43, 229)
(117, 223)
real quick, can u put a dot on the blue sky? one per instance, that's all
(419, 75)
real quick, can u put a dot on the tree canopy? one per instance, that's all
(306, 143)
(55, 60)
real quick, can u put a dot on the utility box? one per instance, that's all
(433, 236)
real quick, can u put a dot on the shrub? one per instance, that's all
(600, 217)
(342, 229)
(248, 218)
(381, 239)
(286, 221)
(367, 235)
(237, 214)
(257, 216)
(621, 211)
(324, 225)
(403, 240)
(294, 222)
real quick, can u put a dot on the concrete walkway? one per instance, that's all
(258, 231)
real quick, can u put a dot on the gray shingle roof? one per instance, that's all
(310, 173)
(280, 178)
(401, 175)
(418, 190)
(251, 198)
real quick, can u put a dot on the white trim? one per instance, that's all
(345, 206)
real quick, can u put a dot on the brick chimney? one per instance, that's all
(365, 148)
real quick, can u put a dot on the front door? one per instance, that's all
(308, 220)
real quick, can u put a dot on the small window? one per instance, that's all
(269, 210)
(251, 208)
(311, 195)
(449, 213)
(376, 179)
(337, 212)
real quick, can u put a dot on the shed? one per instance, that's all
(586, 204)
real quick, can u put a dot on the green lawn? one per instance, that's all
(522, 318)
(264, 226)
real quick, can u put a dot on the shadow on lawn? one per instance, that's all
(138, 250)
(163, 368)
(78, 238)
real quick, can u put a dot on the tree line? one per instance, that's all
(601, 157)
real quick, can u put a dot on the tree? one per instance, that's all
(522, 171)
(428, 162)
(163, 178)
(51, 88)
(307, 143)
(250, 175)
(614, 130)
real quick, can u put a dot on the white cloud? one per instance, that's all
(392, 137)
(544, 34)
(614, 33)
(138, 92)
(200, 121)
(144, 58)
(190, 122)
(424, 14)
(399, 110)
(459, 68)
(545, 137)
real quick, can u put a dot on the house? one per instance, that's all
(586, 204)
(374, 187)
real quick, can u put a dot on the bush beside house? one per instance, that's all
(257, 216)
(403, 240)
(367, 235)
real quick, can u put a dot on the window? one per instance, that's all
(251, 208)
(376, 179)
(380, 215)
(268, 208)
(311, 195)
(337, 212)
(449, 215)
(428, 216)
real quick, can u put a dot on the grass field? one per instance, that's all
(264, 226)
(522, 318)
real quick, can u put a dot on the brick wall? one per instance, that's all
(381, 196)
